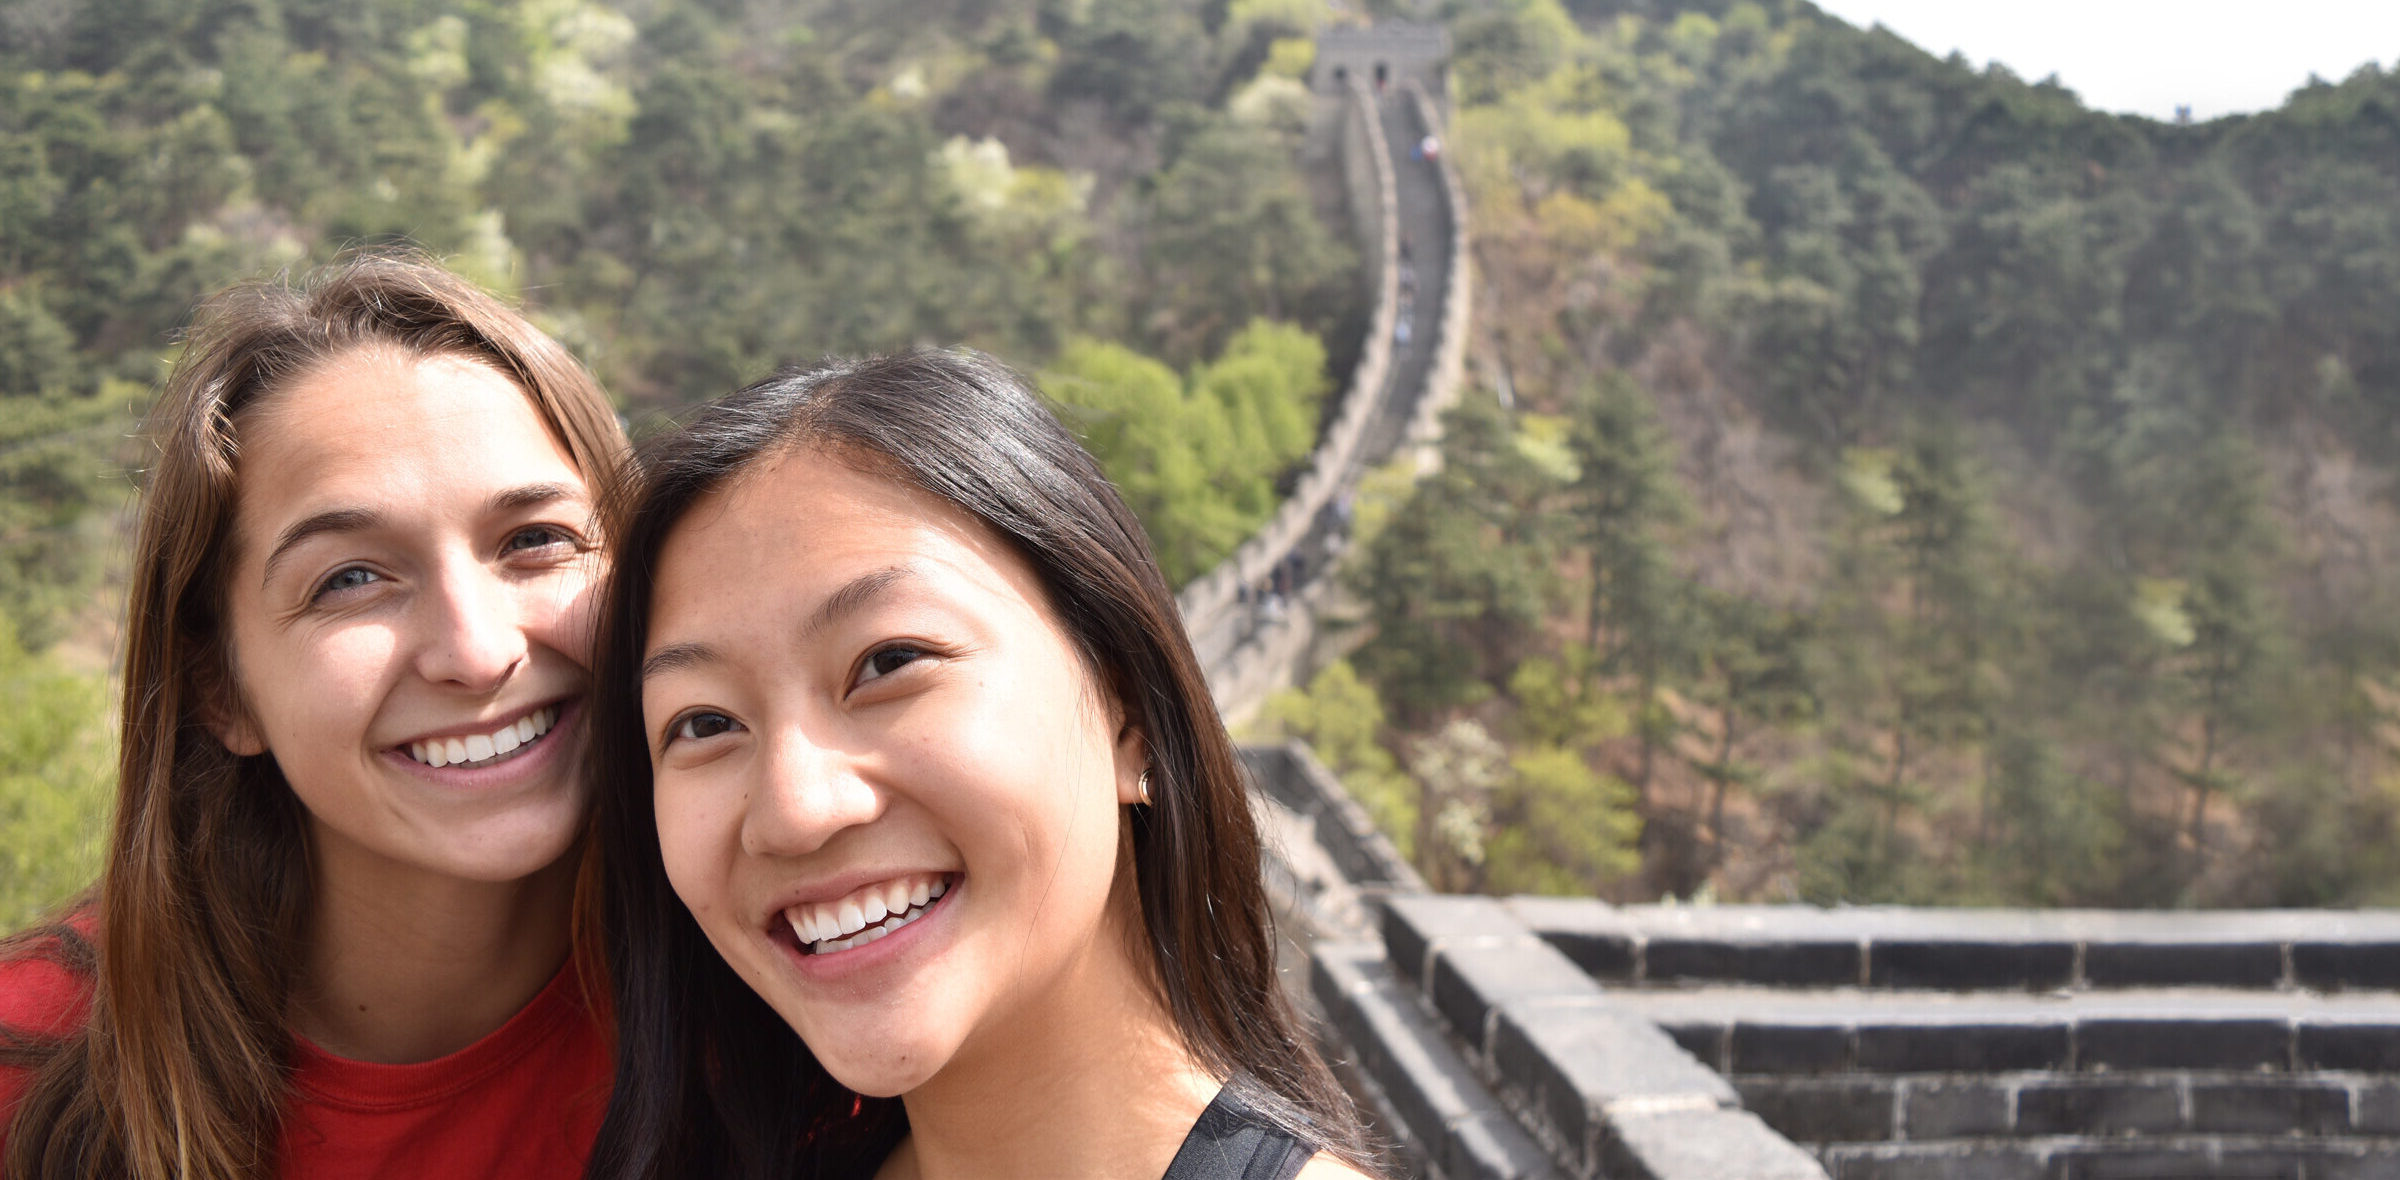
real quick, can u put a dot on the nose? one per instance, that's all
(476, 631)
(807, 794)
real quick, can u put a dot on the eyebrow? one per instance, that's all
(339, 520)
(532, 495)
(853, 596)
(358, 520)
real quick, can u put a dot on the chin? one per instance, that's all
(515, 856)
(885, 1072)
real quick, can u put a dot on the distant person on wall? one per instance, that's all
(928, 850)
(333, 935)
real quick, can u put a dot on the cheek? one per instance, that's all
(696, 844)
(566, 619)
(312, 687)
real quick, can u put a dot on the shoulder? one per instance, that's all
(41, 994)
(43, 999)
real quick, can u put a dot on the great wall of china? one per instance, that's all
(1523, 1038)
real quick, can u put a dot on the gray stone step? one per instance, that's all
(1872, 1108)
(1972, 949)
(1742, 1030)
(2215, 1158)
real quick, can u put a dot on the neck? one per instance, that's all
(1097, 1083)
(405, 966)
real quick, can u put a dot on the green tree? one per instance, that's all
(1458, 581)
(1340, 718)
(55, 771)
(1625, 502)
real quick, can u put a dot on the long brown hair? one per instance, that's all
(199, 914)
(710, 1081)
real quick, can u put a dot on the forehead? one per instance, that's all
(380, 427)
(798, 515)
(796, 527)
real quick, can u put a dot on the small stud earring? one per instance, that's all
(1141, 786)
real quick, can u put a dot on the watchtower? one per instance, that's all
(1383, 56)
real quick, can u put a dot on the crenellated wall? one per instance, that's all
(1448, 375)
(1244, 663)
(1394, 400)
(1539, 1037)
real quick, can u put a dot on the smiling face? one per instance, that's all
(856, 698)
(407, 612)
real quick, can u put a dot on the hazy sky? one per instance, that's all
(2147, 56)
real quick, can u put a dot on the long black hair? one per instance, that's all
(710, 1080)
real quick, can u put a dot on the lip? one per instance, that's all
(836, 887)
(540, 755)
(873, 956)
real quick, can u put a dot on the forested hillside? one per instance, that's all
(1884, 479)
(1893, 481)
(1106, 193)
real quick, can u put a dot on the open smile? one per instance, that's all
(476, 750)
(866, 914)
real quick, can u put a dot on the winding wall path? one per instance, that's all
(1408, 371)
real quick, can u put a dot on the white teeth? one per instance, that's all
(482, 747)
(873, 912)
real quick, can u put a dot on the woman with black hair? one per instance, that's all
(896, 713)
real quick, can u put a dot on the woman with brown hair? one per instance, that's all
(334, 928)
(894, 711)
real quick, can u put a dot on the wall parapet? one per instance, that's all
(1290, 774)
(1448, 375)
(1980, 950)
(1208, 601)
(1604, 1092)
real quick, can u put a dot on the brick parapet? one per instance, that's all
(1980, 950)
(1603, 1090)
(1290, 774)
(1241, 676)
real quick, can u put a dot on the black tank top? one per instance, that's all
(1233, 1142)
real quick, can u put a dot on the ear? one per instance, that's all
(222, 711)
(1132, 760)
(235, 729)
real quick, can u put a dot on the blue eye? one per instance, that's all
(540, 536)
(347, 578)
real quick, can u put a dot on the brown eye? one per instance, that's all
(886, 660)
(701, 726)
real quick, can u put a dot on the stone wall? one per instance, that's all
(2026, 1045)
(1450, 348)
(1400, 52)
(1498, 1059)
(1542, 1037)
(1243, 665)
